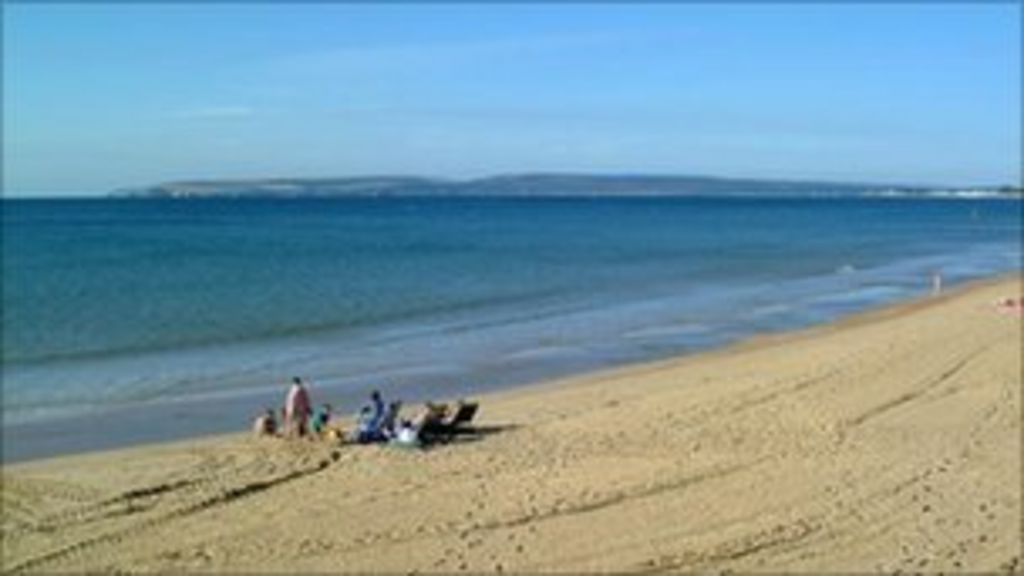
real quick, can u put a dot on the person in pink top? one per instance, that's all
(297, 408)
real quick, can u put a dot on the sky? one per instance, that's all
(99, 97)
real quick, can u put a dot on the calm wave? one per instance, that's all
(119, 302)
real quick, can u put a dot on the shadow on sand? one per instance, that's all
(468, 434)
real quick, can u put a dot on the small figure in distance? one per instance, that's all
(390, 419)
(265, 424)
(406, 435)
(376, 421)
(366, 426)
(377, 405)
(321, 417)
(297, 408)
(431, 415)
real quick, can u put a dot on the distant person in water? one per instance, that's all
(265, 424)
(297, 408)
(936, 282)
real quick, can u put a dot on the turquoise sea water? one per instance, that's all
(203, 308)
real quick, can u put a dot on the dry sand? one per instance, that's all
(890, 441)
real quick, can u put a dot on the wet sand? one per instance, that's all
(888, 441)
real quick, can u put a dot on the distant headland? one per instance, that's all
(540, 185)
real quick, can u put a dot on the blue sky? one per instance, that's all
(99, 97)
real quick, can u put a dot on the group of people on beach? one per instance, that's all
(297, 415)
(377, 421)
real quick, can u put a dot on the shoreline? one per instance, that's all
(580, 286)
(238, 408)
(889, 440)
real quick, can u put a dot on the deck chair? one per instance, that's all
(444, 429)
(463, 415)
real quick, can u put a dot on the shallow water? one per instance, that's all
(194, 313)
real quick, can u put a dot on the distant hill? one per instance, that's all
(525, 185)
(286, 187)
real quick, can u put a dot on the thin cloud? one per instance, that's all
(390, 58)
(215, 112)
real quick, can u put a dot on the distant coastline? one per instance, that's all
(544, 185)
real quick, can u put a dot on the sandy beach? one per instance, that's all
(888, 441)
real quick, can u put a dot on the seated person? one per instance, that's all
(430, 422)
(265, 425)
(387, 422)
(406, 435)
(431, 416)
(377, 404)
(367, 426)
(321, 416)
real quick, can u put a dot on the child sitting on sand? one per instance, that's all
(265, 424)
(321, 416)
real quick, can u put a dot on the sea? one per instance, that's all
(141, 320)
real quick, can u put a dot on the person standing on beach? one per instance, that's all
(377, 404)
(936, 282)
(297, 408)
